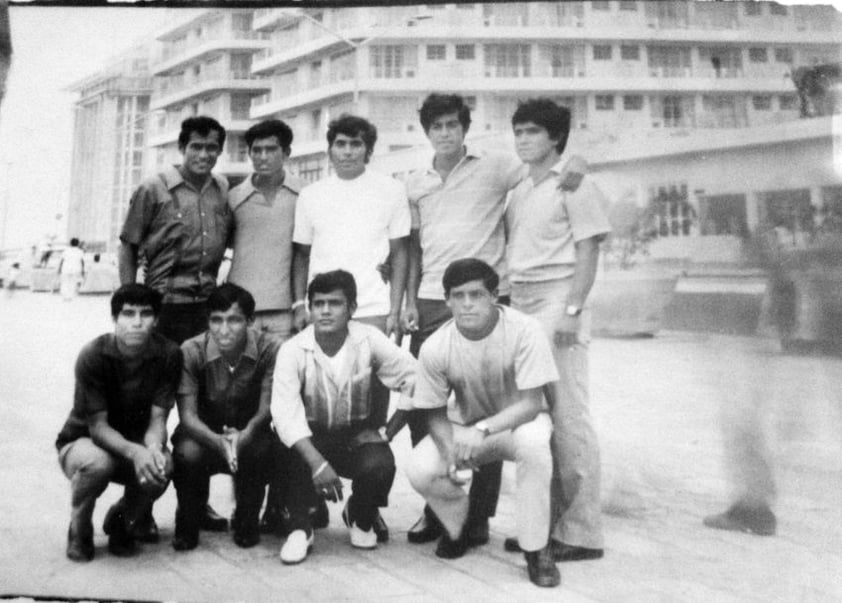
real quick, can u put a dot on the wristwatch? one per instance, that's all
(572, 310)
(483, 427)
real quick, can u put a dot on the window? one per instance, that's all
(436, 52)
(632, 102)
(788, 102)
(761, 102)
(393, 61)
(600, 5)
(777, 9)
(783, 55)
(757, 55)
(309, 170)
(752, 8)
(628, 5)
(507, 60)
(672, 111)
(562, 60)
(669, 61)
(630, 52)
(725, 62)
(602, 52)
(788, 208)
(674, 215)
(465, 52)
(240, 105)
(604, 102)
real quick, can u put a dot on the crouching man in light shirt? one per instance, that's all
(495, 361)
(322, 407)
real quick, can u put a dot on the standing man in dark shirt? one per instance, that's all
(125, 386)
(180, 223)
(223, 404)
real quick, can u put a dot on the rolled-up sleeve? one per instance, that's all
(288, 413)
(431, 387)
(139, 215)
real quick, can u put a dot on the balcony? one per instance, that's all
(171, 92)
(178, 55)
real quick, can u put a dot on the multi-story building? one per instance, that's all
(204, 67)
(621, 66)
(109, 143)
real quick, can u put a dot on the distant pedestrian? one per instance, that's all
(12, 277)
(71, 270)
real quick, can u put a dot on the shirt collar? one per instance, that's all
(246, 189)
(173, 178)
(213, 353)
(470, 154)
(307, 339)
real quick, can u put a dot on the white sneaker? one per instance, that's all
(361, 539)
(296, 547)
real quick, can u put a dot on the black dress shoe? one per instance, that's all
(247, 536)
(426, 529)
(80, 547)
(566, 552)
(182, 542)
(211, 521)
(380, 528)
(320, 516)
(448, 548)
(541, 568)
(145, 529)
(120, 541)
(511, 545)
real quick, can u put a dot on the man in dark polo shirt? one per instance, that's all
(179, 224)
(125, 386)
(224, 409)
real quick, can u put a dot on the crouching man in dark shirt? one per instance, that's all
(223, 406)
(116, 432)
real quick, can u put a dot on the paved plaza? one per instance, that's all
(657, 404)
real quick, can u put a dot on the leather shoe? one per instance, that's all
(566, 552)
(381, 529)
(181, 542)
(449, 548)
(211, 521)
(144, 529)
(80, 547)
(273, 522)
(541, 568)
(247, 537)
(739, 517)
(426, 529)
(120, 541)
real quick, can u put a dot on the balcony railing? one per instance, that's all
(174, 50)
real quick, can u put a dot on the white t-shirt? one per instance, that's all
(348, 224)
(72, 261)
(486, 375)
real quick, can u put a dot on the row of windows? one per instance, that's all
(634, 102)
(631, 52)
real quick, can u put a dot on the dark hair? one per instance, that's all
(352, 125)
(135, 294)
(223, 297)
(466, 270)
(201, 125)
(436, 105)
(269, 128)
(547, 114)
(327, 282)
(74, 242)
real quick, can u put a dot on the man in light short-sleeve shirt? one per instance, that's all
(496, 362)
(553, 250)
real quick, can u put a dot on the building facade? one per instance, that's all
(109, 147)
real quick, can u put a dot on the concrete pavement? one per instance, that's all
(657, 404)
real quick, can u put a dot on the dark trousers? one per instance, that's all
(194, 464)
(180, 322)
(485, 487)
(370, 467)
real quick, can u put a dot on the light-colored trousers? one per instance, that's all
(526, 445)
(576, 508)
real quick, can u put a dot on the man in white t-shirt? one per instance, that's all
(353, 220)
(496, 362)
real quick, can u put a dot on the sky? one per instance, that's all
(53, 48)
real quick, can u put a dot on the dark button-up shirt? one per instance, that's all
(182, 232)
(224, 397)
(124, 388)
